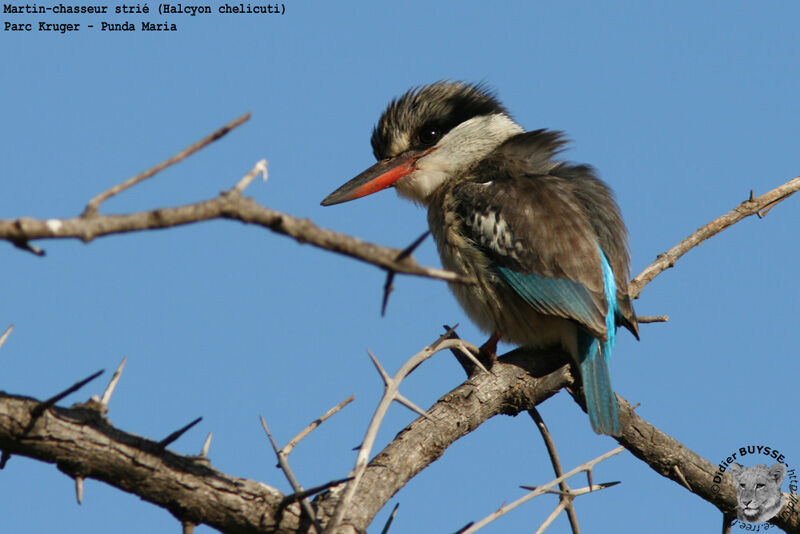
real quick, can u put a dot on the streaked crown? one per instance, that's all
(423, 115)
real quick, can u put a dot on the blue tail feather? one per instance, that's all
(601, 403)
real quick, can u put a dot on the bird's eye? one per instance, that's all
(429, 135)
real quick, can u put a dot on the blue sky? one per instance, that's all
(683, 108)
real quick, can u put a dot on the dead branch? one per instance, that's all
(192, 490)
(566, 500)
(229, 204)
(186, 486)
(83, 444)
(391, 394)
(539, 490)
(752, 206)
(91, 207)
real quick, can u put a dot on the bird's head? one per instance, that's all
(427, 136)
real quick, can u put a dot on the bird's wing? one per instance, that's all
(606, 220)
(539, 241)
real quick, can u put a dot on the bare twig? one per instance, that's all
(230, 204)
(283, 462)
(552, 517)
(576, 492)
(287, 449)
(6, 334)
(391, 394)
(751, 206)
(316, 489)
(588, 466)
(225, 206)
(565, 500)
(259, 168)
(91, 207)
(642, 319)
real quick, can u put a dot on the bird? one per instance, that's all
(542, 238)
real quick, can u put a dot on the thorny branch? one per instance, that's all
(196, 493)
(535, 492)
(752, 206)
(566, 499)
(391, 394)
(229, 204)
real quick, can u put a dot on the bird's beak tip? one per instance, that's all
(378, 177)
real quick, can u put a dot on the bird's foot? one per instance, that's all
(487, 354)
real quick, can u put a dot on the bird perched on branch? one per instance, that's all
(543, 238)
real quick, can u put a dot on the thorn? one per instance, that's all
(6, 334)
(313, 491)
(411, 406)
(589, 479)
(472, 358)
(465, 527)
(178, 433)
(33, 249)
(387, 289)
(42, 406)
(681, 478)
(574, 493)
(289, 447)
(443, 337)
(269, 435)
(752, 198)
(391, 518)
(451, 330)
(79, 489)
(112, 384)
(636, 405)
(4, 458)
(410, 248)
(206, 445)
(379, 367)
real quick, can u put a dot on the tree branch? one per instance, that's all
(83, 444)
(752, 206)
(229, 204)
(195, 492)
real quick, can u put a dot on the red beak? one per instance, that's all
(380, 176)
